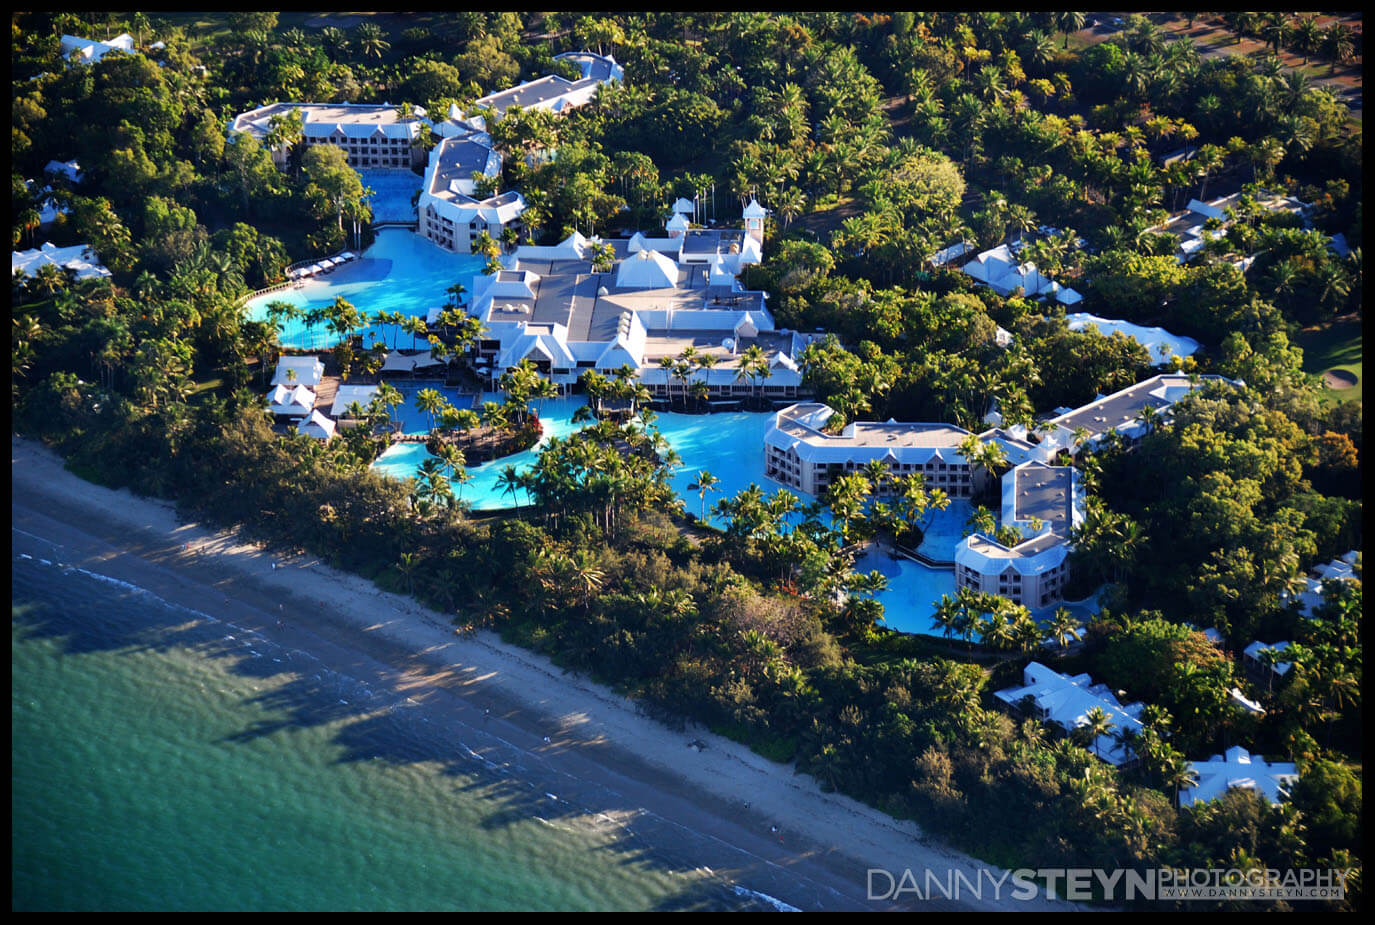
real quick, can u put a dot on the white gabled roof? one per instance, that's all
(1254, 650)
(683, 205)
(647, 270)
(78, 258)
(309, 371)
(348, 394)
(317, 426)
(679, 222)
(294, 402)
(1067, 701)
(755, 210)
(1202, 208)
(1238, 768)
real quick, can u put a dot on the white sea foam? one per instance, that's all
(777, 904)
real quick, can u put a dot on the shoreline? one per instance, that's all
(722, 800)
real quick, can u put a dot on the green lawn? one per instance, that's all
(1335, 346)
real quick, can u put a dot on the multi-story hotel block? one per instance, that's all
(1044, 503)
(371, 136)
(799, 452)
(450, 212)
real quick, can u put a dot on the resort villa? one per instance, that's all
(291, 401)
(1310, 598)
(1003, 271)
(77, 50)
(372, 136)
(1192, 225)
(1160, 344)
(1067, 702)
(554, 93)
(1239, 769)
(68, 170)
(79, 259)
(291, 371)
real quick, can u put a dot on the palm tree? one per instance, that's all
(432, 402)
(1096, 724)
(1067, 22)
(1063, 627)
(705, 482)
(369, 41)
(509, 481)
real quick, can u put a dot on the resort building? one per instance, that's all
(293, 402)
(292, 371)
(1066, 701)
(1004, 272)
(1237, 768)
(346, 395)
(450, 215)
(799, 452)
(1192, 225)
(68, 170)
(1044, 503)
(554, 93)
(552, 306)
(79, 260)
(77, 50)
(1160, 344)
(1310, 598)
(1256, 661)
(317, 426)
(1123, 411)
(372, 136)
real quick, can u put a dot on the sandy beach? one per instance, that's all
(750, 819)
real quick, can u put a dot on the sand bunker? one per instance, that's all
(1339, 379)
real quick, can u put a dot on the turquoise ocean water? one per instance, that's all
(164, 760)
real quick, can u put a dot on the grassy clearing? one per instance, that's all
(1335, 346)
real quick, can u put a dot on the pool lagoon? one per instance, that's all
(914, 590)
(729, 446)
(402, 272)
(403, 460)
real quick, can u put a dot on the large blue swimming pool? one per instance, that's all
(731, 447)
(402, 272)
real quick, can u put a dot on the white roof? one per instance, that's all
(1207, 211)
(941, 257)
(1254, 650)
(91, 50)
(1239, 768)
(755, 210)
(295, 402)
(69, 169)
(348, 394)
(1241, 700)
(679, 222)
(684, 205)
(1067, 701)
(647, 270)
(309, 370)
(317, 425)
(573, 247)
(78, 258)
(1159, 343)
